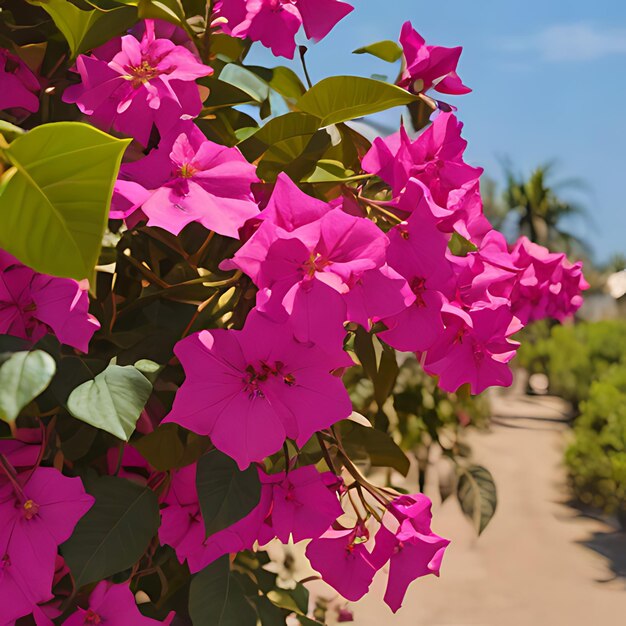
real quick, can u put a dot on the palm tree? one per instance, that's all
(541, 211)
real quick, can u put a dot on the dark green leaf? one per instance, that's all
(169, 10)
(269, 613)
(279, 130)
(362, 443)
(226, 47)
(226, 493)
(295, 600)
(112, 401)
(342, 98)
(386, 50)
(55, 200)
(386, 376)
(217, 599)
(23, 376)
(281, 79)
(165, 450)
(364, 350)
(476, 491)
(85, 30)
(223, 94)
(115, 532)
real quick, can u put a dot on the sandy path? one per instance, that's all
(539, 562)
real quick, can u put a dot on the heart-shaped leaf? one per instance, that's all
(112, 401)
(217, 598)
(115, 532)
(226, 493)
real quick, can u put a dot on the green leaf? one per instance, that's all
(115, 532)
(476, 491)
(55, 199)
(107, 25)
(269, 614)
(295, 600)
(23, 376)
(386, 376)
(223, 94)
(277, 131)
(112, 401)
(217, 598)
(245, 80)
(165, 450)
(85, 30)
(226, 493)
(459, 246)
(330, 171)
(386, 50)
(169, 10)
(10, 131)
(226, 47)
(342, 98)
(281, 79)
(361, 442)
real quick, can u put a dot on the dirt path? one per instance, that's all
(539, 563)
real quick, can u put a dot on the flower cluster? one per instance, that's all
(33, 305)
(400, 251)
(275, 23)
(187, 179)
(134, 82)
(38, 511)
(300, 504)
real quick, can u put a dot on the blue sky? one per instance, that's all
(549, 81)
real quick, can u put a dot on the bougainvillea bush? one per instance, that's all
(205, 269)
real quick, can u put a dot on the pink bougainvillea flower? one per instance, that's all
(18, 85)
(182, 526)
(316, 314)
(417, 251)
(130, 84)
(249, 390)
(23, 450)
(486, 273)
(275, 22)
(300, 504)
(38, 512)
(188, 179)
(343, 248)
(110, 605)
(290, 214)
(33, 304)
(434, 159)
(548, 285)
(343, 561)
(377, 294)
(300, 241)
(429, 67)
(303, 506)
(474, 348)
(406, 541)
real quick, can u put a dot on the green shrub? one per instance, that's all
(574, 356)
(597, 458)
